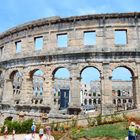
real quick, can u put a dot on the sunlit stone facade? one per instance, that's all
(21, 57)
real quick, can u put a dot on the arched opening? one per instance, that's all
(85, 101)
(9, 118)
(61, 89)
(90, 101)
(16, 77)
(37, 83)
(90, 87)
(123, 88)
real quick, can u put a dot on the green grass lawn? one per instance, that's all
(117, 130)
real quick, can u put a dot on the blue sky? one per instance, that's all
(92, 74)
(15, 12)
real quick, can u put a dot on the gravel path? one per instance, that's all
(18, 137)
(21, 137)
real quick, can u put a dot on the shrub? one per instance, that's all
(74, 122)
(99, 119)
(92, 121)
(26, 125)
(19, 126)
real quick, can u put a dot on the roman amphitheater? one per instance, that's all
(31, 54)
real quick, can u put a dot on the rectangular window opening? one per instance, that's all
(62, 40)
(89, 38)
(38, 43)
(18, 46)
(120, 37)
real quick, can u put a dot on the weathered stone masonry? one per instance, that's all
(104, 55)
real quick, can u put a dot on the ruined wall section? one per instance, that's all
(103, 25)
(104, 53)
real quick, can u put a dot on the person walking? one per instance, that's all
(33, 130)
(13, 134)
(48, 133)
(132, 131)
(28, 136)
(5, 132)
(41, 134)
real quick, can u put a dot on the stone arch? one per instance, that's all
(82, 68)
(126, 89)
(90, 101)
(11, 76)
(55, 69)
(127, 66)
(91, 90)
(37, 77)
(31, 73)
(9, 118)
(61, 88)
(16, 78)
(32, 69)
(10, 72)
(85, 101)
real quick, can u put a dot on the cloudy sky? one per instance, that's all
(15, 12)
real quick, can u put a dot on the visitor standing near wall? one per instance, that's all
(13, 134)
(33, 130)
(132, 131)
(5, 131)
(41, 134)
(28, 136)
(48, 133)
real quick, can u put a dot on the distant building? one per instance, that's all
(122, 93)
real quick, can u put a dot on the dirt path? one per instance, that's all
(21, 137)
(17, 137)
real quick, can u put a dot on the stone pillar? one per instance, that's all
(75, 103)
(7, 92)
(137, 93)
(27, 89)
(137, 88)
(106, 98)
(48, 88)
(134, 91)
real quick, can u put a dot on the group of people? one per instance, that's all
(47, 135)
(6, 133)
(42, 136)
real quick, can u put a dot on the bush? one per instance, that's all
(15, 125)
(26, 125)
(19, 126)
(99, 119)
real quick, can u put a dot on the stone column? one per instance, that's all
(26, 90)
(106, 98)
(134, 81)
(137, 88)
(48, 88)
(7, 92)
(75, 88)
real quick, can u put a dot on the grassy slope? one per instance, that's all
(117, 131)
